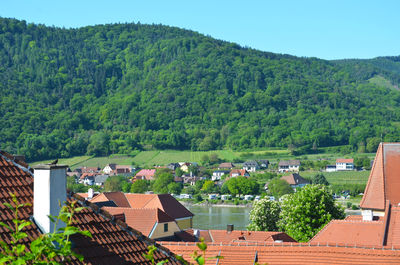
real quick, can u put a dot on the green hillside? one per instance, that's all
(118, 88)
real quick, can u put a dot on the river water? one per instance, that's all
(217, 217)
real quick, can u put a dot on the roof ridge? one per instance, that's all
(26, 168)
(368, 187)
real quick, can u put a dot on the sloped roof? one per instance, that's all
(165, 202)
(226, 165)
(351, 232)
(250, 163)
(117, 197)
(344, 160)
(295, 179)
(248, 236)
(287, 253)
(384, 179)
(141, 219)
(240, 172)
(147, 173)
(393, 234)
(112, 242)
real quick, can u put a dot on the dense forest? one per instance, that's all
(122, 87)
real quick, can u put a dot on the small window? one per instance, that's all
(166, 227)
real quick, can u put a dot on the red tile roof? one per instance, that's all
(344, 160)
(112, 242)
(393, 231)
(239, 172)
(141, 219)
(223, 236)
(146, 174)
(117, 197)
(351, 232)
(384, 181)
(287, 253)
(165, 202)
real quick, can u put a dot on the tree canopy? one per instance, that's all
(305, 212)
(107, 89)
(278, 187)
(264, 215)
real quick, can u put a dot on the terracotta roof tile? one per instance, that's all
(117, 197)
(288, 254)
(353, 232)
(344, 160)
(393, 234)
(384, 181)
(165, 202)
(112, 241)
(253, 236)
(146, 174)
(141, 219)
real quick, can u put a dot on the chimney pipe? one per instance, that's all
(90, 194)
(229, 228)
(49, 192)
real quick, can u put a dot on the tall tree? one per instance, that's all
(305, 212)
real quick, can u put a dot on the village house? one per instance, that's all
(173, 166)
(239, 172)
(295, 180)
(289, 165)
(87, 178)
(88, 170)
(112, 241)
(147, 174)
(99, 180)
(152, 222)
(263, 163)
(120, 170)
(187, 179)
(226, 166)
(251, 166)
(184, 166)
(217, 174)
(344, 164)
(164, 202)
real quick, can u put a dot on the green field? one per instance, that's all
(150, 158)
(341, 177)
(164, 157)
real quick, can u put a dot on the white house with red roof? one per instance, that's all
(344, 164)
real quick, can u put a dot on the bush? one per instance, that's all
(349, 204)
(198, 198)
(354, 207)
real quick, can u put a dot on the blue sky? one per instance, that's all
(328, 29)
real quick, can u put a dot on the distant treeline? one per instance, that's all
(116, 88)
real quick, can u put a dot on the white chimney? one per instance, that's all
(49, 192)
(90, 194)
(367, 215)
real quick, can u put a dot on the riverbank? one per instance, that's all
(208, 204)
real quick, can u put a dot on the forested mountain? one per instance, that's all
(116, 88)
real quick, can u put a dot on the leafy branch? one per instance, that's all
(51, 248)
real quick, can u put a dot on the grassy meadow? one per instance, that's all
(341, 177)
